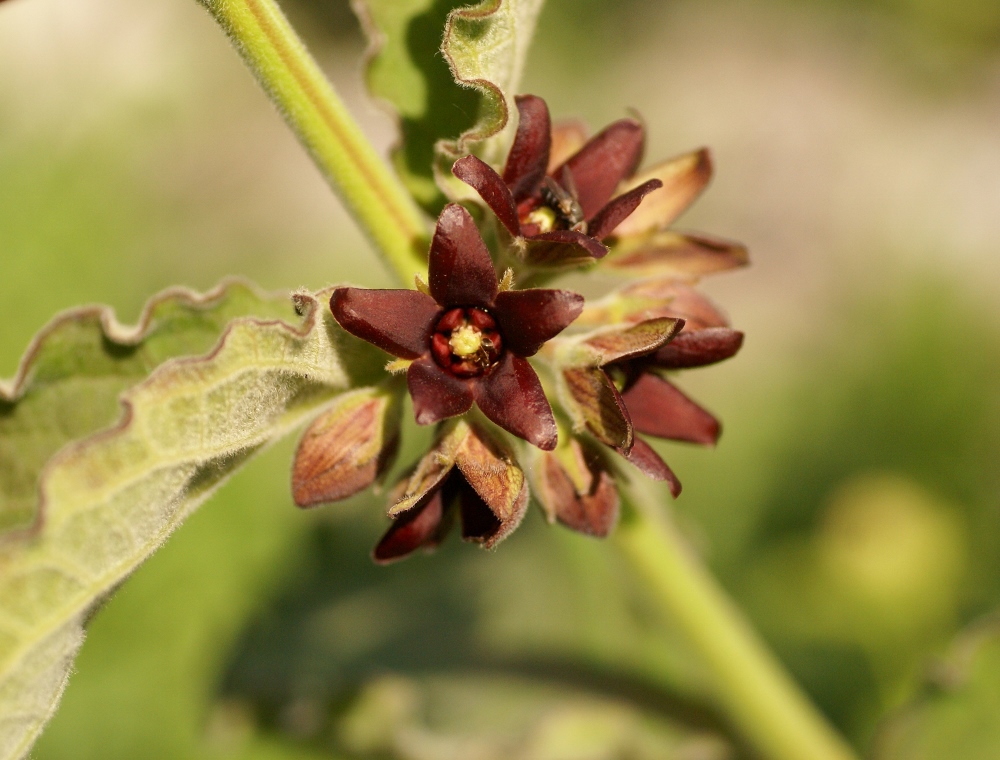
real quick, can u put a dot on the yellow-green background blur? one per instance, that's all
(853, 504)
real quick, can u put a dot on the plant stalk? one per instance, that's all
(762, 701)
(307, 101)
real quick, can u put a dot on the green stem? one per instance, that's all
(752, 687)
(307, 101)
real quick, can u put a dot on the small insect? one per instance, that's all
(484, 355)
(563, 201)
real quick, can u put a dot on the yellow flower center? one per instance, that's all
(465, 340)
(544, 217)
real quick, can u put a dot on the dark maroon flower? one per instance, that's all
(656, 407)
(468, 340)
(613, 385)
(563, 215)
(467, 474)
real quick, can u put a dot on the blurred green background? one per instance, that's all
(852, 507)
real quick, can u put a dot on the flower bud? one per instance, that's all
(347, 447)
(588, 392)
(467, 474)
(576, 488)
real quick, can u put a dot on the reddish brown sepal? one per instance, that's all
(346, 448)
(590, 508)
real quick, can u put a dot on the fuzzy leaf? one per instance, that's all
(107, 500)
(453, 95)
(72, 374)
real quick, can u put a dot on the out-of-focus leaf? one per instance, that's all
(957, 717)
(107, 501)
(496, 717)
(450, 71)
(553, 605)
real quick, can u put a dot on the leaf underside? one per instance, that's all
(107, 496)
(452, 95)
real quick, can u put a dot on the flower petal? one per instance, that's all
(601, 406)
(529, 318)
(411, 530)
(529, 155)
(618, 209)
(672, 254)
(658, 408)
(461, 270)
(684, 178)
(346, 448)
(568, 136)
(652, 465)
(436, 394)
(511, 395)
(699, 348)
(397, 321)
(608, 158)
(480, 176)
(592, 511)
(623, 342)
(562, 248)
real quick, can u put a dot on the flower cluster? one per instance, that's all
(485, 361)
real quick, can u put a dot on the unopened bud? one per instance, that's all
(347, 447)
(575, 487)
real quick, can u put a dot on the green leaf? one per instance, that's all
(107, 501)
(957, 717)
(74, 371)
(493, 716)
(453, 94)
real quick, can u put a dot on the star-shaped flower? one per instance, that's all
(561, 216)
(467, 340)
(657, 407)
(612, 385)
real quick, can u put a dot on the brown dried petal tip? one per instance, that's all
(683, 179)
(652, 465)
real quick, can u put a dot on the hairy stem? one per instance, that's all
(760, 698)
(307, 101)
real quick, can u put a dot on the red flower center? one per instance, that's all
(466, 341)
